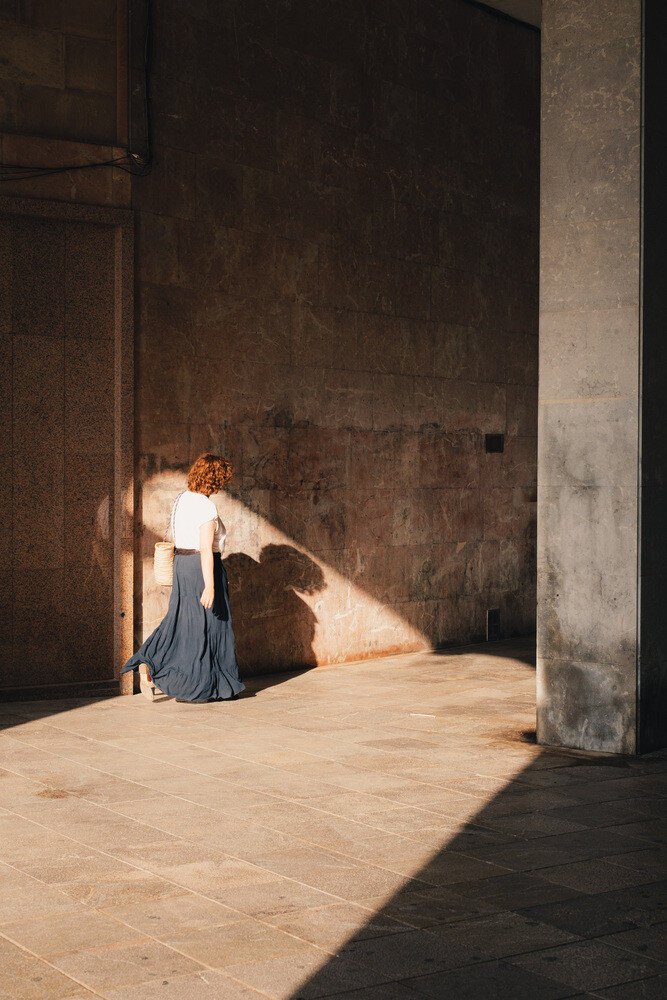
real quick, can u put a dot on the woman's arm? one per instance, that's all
(206, 534)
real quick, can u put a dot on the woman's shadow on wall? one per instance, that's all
(274, 626)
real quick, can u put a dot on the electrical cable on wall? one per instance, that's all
(131, 162)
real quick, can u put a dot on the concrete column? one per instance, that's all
(602, 459)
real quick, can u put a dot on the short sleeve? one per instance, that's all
(207, 511)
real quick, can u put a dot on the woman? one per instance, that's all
(191, 655)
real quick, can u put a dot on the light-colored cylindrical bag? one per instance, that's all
(163, 557)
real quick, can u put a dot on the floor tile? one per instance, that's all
(105, 969)
(653, 831)
(207, 985)
(563, 849)
(333, 926)
(587, 965)
(68, 932)
(428, 907)
(415, 953)
(599, 875)
(23, 897)
(305, 975)
(388, 991)
(173, 916)
(77, 864)
(605, 913)
(488, 981)
(534, 826)
(237, 943)
(113, 890)
(278, 896)
(652, 861)
(25, 977)
(515, 890)
(502, 934)
(643, 989)
(614, 813)
(649, 941)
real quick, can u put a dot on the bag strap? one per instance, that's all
(171, 519)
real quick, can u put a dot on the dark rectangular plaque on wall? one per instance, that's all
(493, 624)
(494, 442)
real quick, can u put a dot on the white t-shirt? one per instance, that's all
(193, 510)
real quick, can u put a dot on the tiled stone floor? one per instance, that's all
(375, 831)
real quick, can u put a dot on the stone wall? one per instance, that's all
(58, 69)
(337, 263)
(64, 277)
(59, 99)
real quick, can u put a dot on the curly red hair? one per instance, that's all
(209, 473)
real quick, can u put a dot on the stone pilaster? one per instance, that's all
(596, 632)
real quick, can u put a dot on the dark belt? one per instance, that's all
(190, 552)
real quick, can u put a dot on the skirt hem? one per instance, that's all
(235, 686)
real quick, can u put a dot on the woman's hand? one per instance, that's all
(206, 598)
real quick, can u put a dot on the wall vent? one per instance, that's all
(494, 442)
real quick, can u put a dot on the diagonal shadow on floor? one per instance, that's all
(530, 900)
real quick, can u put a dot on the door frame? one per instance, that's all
(122, 222)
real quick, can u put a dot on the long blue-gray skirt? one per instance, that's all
(191, 655)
